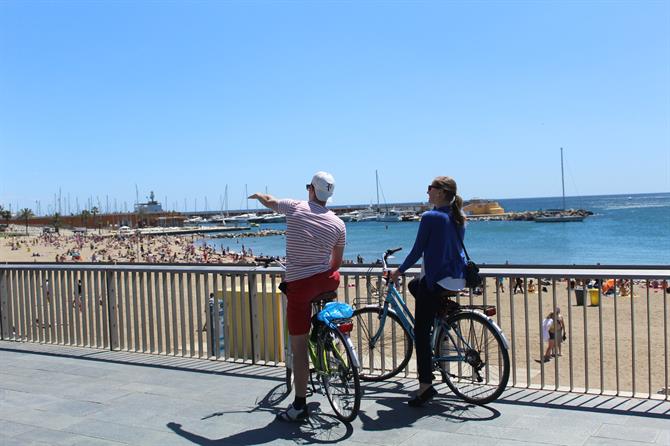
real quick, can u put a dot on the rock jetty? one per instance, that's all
(528, 215)
(262, 233)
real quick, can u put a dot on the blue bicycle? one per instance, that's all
(469, 350)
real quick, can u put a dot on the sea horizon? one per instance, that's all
(625, 229)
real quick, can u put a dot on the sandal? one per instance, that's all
(294, 415)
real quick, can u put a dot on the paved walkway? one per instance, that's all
(74, 396)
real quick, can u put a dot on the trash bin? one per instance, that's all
(579, 295)
(593, 295)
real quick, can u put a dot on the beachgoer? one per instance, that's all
(315, 239)
(518, 285)
(501, 283)
(548, 335)
(442, 272)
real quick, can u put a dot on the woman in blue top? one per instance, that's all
(442, 272)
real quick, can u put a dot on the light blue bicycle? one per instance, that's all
(469, 349)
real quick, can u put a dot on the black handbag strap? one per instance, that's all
(458, 234)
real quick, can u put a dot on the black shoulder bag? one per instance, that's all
(472, 277)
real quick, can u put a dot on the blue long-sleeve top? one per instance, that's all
(439, 245)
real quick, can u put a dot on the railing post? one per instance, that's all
(3, 305)
(253, 318)
(112, 323)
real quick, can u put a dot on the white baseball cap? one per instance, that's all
(324, 185)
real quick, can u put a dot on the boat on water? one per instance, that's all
(242, 219)
(560, 215)
(348, 217)
(391, 215)
(196, 220)
(273, 218)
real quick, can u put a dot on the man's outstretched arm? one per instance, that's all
(266, 200)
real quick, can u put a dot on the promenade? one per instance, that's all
(76, 396)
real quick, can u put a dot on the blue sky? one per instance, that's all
(184, 98)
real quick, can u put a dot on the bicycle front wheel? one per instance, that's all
(472, 357)
(339, 375)
(384, 345)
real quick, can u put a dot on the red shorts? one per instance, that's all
(300, 294)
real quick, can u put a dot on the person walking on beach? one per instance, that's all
(442, 272)
(548, 335)
(315, 239)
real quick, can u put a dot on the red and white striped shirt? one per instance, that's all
(312, 231)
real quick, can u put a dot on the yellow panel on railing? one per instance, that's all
(272, 320)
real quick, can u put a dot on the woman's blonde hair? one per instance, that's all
(448, 185)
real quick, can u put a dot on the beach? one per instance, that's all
(111, 247)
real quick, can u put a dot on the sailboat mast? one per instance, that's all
(377, 182)
(562, 180)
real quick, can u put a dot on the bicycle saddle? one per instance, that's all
(322, 298)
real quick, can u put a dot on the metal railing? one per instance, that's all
(615, 343)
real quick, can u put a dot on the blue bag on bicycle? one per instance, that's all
(335, 310)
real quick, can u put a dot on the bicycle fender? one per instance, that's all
(502, 334)
(354, 355)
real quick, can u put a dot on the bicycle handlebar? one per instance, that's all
(389, 253)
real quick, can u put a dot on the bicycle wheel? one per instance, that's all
(390, 353)
(339, 375)
(472, 357)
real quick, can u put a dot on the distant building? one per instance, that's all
(150, 207)
(478, 206)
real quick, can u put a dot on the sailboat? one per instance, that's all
(560, 216)
(389, 215)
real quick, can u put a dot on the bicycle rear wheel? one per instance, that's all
(389, 353)
(472, 357)
(339, 375)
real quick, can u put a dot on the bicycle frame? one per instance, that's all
(395, 300)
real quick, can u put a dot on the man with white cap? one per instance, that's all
(315, 239)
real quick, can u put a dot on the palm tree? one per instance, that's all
(26, 214)
(6, 215)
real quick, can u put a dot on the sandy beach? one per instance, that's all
(107, 246)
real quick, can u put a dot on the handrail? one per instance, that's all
(233, 312)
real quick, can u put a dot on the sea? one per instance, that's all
(623, 230)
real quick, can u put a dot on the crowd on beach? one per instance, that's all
(132, 248)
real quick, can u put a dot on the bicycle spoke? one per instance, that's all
(475, 362)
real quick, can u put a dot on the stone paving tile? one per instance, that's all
(664, 438)
(435, 438)
(601, 441)
(106, 430)
(38, 418)
(51, 436)
(537, 434)
(72, 407)
(13, 441)
(555, 425)
(10, 429)
(628, 433)
(655, 422)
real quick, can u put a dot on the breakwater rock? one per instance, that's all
(530, 215)
(263, 233)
